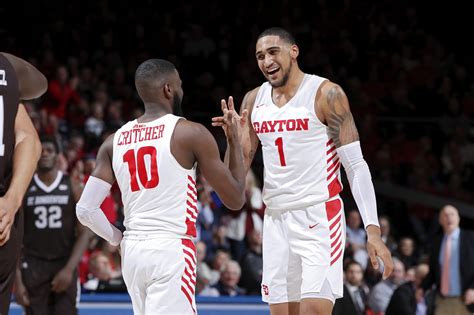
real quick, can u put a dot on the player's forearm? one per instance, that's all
(360, 181)
(25, 158)
(89, 213)
(236, 166)
(80, 246)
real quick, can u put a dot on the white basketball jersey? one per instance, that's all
(159, 195)
(301, 167)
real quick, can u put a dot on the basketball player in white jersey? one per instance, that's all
(154, 160)
(307, 131)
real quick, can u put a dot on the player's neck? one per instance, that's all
(283, 94)
(48, 177)
(152, 112)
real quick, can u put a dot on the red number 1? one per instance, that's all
(138, 163)
(279, 144)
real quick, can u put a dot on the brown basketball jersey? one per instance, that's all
(50, 218)
(9, 100)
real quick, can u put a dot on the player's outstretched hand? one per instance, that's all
(230, 118)
(376, 248)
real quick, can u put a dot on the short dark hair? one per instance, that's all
(153, 69)
(50, 139)
(280, 32)
(149, 73)
(351, 262)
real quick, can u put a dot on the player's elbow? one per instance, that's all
(82, 215)
(237, 202)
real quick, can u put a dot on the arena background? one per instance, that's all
(406, 67)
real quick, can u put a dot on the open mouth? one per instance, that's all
(273, 71)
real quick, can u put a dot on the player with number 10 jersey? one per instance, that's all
(141, 157)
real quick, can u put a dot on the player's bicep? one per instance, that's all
(341, 125)
(103, 168)
(24, 127)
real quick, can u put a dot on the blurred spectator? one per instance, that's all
(220, 240)
(356, 238)
(381, 293)
(94, 124)
(252, 264)
(205, 218)
(406, 252)
(230, 277)
(101, 276)
(61, 92)
(250, 217)
(203, 272)
(201, 265)
(386, 233)
(219, 261)
(355, 292)
(407, 299)
(452, 273)
(202, 285)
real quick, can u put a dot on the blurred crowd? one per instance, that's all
(410, 90)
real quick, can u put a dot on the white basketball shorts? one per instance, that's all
(303, 252)
(160, 274)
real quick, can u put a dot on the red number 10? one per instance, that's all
(138, 163)
(279, 144)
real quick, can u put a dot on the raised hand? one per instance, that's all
(230, 118)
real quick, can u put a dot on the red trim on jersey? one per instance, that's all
(337, 257)
(336, 240)
(335, 231)
(335, 222)
(331, 157)
(189, 298)
(329, 142)
(338, 165)
(331, 149)
(332, 208)
(191, 197)
(191, 209)
(191, 179)
(189, 251)
(334, 216)
(334, 187)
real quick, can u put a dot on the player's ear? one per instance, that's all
(167, 91)
(294, 51)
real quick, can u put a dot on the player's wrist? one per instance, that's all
(14, 200)
(373, 231)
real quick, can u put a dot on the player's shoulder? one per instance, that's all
(189, 128)
(249, 99)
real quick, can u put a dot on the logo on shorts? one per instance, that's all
(265, 289)
(313, 226)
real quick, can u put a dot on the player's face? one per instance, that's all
(274, 59)
(354, 274)
(48, 157)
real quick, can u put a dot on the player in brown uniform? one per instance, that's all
(54, 240)
(19, 152)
